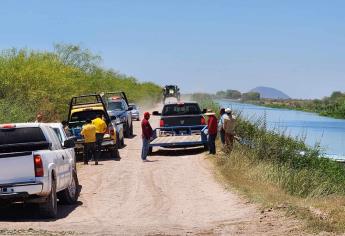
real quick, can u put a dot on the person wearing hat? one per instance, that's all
(220, 125)
(212, 125)
(146, 135)
(229, 129)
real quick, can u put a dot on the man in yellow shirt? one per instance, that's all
(89, 134)
(101, 128)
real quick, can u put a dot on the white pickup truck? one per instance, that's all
(36, 168)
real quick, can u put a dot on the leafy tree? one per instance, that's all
(251, 96)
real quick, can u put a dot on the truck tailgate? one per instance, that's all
(181, 120)
(16, 167)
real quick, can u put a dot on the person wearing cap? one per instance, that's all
(229, 129)
(146, 135)
(89, 133)
(212, 126)
(220, 125)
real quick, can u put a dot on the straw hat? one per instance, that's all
(210, 113)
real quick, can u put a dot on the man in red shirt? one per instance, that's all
(212, 125)
(146, 135)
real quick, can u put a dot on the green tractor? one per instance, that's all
(171, 91)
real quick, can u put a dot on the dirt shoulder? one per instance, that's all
(175, 194)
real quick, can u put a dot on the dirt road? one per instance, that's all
(175, 194)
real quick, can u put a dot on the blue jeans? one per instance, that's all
(222, 136)
(145, 149)
(212, 143)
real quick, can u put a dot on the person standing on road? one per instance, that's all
(212, 126)
(229, 128)
(147, 133)
(89, 133)
(220, 125)
(101, 128)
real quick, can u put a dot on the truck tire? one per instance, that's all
(131, 129)
(122, 142)
(114, 153)
(70, 195)
(48, 209)
(126, 131)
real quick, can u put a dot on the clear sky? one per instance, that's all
(297, 46)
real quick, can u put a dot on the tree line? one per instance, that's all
(44, 81)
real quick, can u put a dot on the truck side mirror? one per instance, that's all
(156, 113)
(204, 111)
(69, 143)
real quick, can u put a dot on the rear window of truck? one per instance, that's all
(21, 135)
(181, 109)
(82, 116)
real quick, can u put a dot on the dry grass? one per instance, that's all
(321, 214)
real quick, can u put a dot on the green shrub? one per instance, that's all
(32, 82)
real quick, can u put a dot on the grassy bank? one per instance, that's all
(35, 81)
(282, 172)
(332, 106)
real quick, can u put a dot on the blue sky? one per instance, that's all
(297, 46)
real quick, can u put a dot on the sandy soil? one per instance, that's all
(175, 194)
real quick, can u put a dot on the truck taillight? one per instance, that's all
(161, 123)
(203, 122)
(38, 166)
(111, 131)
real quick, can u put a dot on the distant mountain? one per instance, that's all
(266, 92)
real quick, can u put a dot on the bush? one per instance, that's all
(32, 82)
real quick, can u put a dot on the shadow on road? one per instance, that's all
(177, 152)
(30, 212)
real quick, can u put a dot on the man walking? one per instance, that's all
(89, 133)
(229, 128)
(101, 128)
(212, 131)
(146, 135)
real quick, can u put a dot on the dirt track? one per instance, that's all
(175, 194)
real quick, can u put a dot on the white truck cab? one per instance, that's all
(35, 167)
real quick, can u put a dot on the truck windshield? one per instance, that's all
(181, 109)
(21, 135)
(115, 106)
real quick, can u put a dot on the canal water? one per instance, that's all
(328, 132)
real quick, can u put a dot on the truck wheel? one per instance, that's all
(122, 142)
(49, 208)
(126, 131)
(70, 195)
(114, 153)
(131, 130)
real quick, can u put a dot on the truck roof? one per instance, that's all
(24, 125)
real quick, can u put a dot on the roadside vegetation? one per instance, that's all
(36, 81)
(282, 172)
(332, 106)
